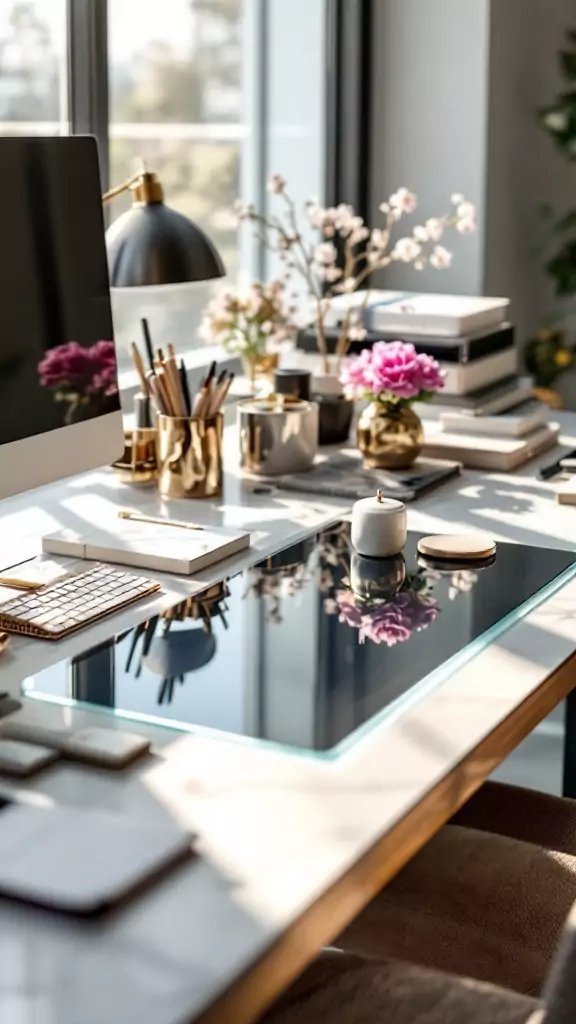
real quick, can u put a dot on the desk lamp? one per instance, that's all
(151, 244)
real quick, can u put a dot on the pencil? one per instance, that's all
(174, 376)
(185, 388)
(140, 369)
(148, 343)
(157, 393)
(225, 390)
(218, 393)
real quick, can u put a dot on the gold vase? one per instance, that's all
(389, 437)
(260, 367)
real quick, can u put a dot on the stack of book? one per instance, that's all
(485, 416)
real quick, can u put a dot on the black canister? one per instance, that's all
(297, 383)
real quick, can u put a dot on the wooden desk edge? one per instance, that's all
(257, 989)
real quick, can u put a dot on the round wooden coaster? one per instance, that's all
(466, 547)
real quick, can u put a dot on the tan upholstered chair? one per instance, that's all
(525, 814)
(347, 989)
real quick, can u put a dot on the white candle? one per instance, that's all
(378, 527)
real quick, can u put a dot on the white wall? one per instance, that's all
(457, 85)
(524, 168)
(429, 118)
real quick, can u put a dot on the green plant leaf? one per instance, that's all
(562, 268)
(568, 64)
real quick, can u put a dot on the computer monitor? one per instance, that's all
(59, 402)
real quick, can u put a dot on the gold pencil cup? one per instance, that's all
(189, 456)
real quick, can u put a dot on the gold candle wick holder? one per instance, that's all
(189, 456)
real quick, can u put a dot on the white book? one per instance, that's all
(515, 423)
(495, 453)
(462, 378)
(150, 546)
(486, 402)
(451, 316)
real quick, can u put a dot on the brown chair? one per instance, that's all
(354, 990)
(525, 814)
(348, 989)
(475, 904)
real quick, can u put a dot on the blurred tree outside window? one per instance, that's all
(33, 85)
(175, 83)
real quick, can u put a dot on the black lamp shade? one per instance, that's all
(152, 245)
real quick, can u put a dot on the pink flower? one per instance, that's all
(276, 183)
(441, 258)
(105, 382)
(406, 250)
(103, 353)
(348, 613)
(403, 201)
(393, 623)
(66, 364)
(430, 374)
(391, 371)
(86, 371)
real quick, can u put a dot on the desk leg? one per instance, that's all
(93, 676)
(569, 777)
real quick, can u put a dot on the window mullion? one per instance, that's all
(88, 74)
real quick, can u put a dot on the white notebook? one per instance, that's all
(149, 546)
(429, 314)
(477, 452)
(463, 378)
(515, 423)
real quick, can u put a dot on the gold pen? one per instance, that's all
(134, 517)
(4, 640)
(16, 584)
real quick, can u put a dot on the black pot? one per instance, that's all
(334, 418)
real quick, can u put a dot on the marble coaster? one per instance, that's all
(458, 546)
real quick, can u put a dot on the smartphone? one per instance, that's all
(80, 861)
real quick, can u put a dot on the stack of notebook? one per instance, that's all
(485, 416)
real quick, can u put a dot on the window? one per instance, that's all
(33, 83)
(175, 96)
(213, 95)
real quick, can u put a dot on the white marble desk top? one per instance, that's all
(275, 831)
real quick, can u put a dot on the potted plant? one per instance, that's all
(341, 261)
(391, 377)
(252, 323)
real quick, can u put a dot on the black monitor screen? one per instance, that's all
(57, 357)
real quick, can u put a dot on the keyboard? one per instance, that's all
(73, 601)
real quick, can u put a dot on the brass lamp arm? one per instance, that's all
(119, 189)
(144, 185)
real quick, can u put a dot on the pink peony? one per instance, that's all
(430, 375)
(391, 371)
(66, 364)
(105, 382)
(85, 371)
(102, 354)
(394, 622)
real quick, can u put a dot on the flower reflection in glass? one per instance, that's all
(85, 379)
(391, 621)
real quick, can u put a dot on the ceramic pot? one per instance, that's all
(389, 437)
(335, 414)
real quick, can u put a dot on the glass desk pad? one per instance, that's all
(309, 645)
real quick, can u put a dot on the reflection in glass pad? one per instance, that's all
(310, 644)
